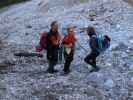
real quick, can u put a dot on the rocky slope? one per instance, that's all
(129, 1)
(9, 2)
(26, 79)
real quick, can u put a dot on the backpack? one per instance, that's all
(103, 42)
(42, 42)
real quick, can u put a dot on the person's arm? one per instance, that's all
(78, 43)
(93, 43)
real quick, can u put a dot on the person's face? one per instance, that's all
(55, 27)
(71, 31)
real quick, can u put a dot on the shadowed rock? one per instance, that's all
(9, 2)
(27, 54)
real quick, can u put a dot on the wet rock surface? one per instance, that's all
(25, 78)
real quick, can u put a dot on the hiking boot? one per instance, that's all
(55, 71)
(95, 69)
(52, 71)
(67, 72)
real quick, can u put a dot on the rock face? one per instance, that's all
(46, 5)
(129, 1)
(25, 78)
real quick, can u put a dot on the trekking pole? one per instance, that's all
(82, 47)
(60, 53)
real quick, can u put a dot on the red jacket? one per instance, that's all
(42, 42)
(55, 39)
(69, 39)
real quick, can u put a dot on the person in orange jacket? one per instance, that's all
(69, 48)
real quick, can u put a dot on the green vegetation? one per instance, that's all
(83, 1)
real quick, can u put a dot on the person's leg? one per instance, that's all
(88, 59)
(68, 60)
(95, 67)
(67, 66)
(51, 67)
(93, 61)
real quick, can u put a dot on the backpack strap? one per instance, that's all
(100, 41)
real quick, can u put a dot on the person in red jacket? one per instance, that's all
(52, 46)
(69, 48)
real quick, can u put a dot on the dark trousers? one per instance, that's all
(91, 58)
(68, 60)
(52, 56)
(51, 65)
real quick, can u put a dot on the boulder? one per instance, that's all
(109, 84)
